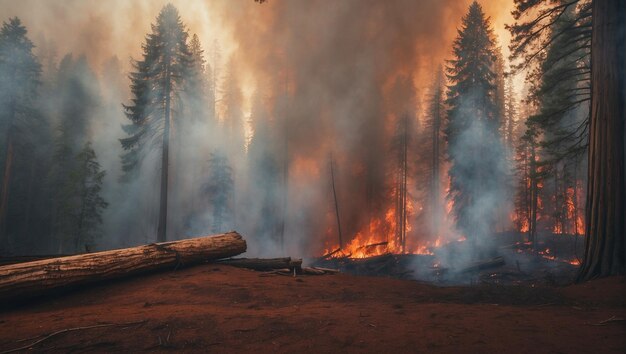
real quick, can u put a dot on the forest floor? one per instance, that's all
(212, 308)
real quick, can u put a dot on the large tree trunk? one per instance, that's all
(34, 278)
(605, 251)
(165, 155)
(4, 193)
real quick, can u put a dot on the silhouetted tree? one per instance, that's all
(80, 205)
(219, 189)
(19, 79)
(156, 85)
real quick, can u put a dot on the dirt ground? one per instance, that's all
(222, 309)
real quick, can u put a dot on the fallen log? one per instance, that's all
(263, 264)
(22, 259)
(312, 271)
(34, 278)
(327, 270)
(481, 265)
(318, 271)
(330, 253)
(373, 245)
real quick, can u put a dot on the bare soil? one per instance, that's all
(213, 308)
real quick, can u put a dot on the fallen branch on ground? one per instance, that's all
(481, 265)
(609, 320)
(263, 264)
(51, 335)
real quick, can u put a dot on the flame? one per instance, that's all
(573, 211)
(379, 237)
(546, 254)
(525, 225)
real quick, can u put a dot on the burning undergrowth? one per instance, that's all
(512, 263)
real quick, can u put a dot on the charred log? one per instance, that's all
(263, 264)
(482, 265)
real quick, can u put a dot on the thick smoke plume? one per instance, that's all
(322, 75)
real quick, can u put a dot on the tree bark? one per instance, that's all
(34, 278)
(435, 177)
(4, 194)
(605, 250)
(162, 228)
(332, 179)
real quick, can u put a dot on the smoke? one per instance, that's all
(320, 74)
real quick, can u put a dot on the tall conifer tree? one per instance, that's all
(19, 79)
(478, 168)
(157, 82)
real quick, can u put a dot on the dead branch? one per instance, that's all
(609, 320)
(51, 335)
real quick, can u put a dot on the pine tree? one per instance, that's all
(219, 189)
(402, 141)
(561, 89)
(564, 86)
(551, 40)
(194, 133)
(529, 182)
(435, 121)
(196, 83)
(233, 119)
(79, 214)
(214, 71)
(478, 168)
(510, 119)
(264, 166)
(157, 82)
(500, 90)
(19, 79)
(77, 100)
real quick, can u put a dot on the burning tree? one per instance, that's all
(478, 167)
(552, 41)
(566, 27)
(433, 124)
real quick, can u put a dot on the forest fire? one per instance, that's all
(382, 236)
(399, 176)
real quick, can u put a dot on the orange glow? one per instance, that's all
(380, 237)
(547, 255)
(580, 225)
(525, 226)
(574, 212)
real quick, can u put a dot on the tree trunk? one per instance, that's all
(332, 179)
(4, 195)
(162, 228)
(534, 191)
(605, 250)
(435, 182)
(34, 278)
